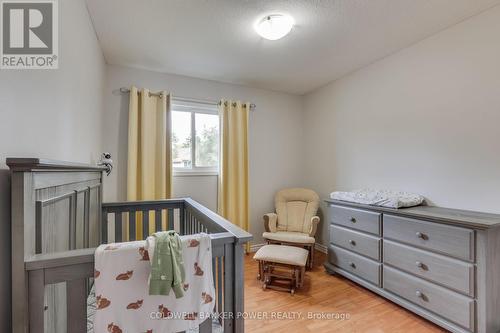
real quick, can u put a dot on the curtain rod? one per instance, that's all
(124, 90)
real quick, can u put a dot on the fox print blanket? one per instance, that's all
(122, 294)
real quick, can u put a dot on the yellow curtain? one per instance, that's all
(149, 173)
(233, 178)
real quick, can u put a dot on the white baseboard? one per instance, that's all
(319, 247)
(256, 247)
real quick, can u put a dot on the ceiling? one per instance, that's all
(214, 39)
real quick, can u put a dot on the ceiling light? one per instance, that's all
(274, 26)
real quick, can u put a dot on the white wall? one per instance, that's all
(425, 119)
(275, 134)
(201, 188)
(50, 113)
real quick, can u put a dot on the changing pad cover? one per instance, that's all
(384, 198)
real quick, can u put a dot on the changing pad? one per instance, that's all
(384, 198)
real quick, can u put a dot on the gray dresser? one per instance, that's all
(443, 264)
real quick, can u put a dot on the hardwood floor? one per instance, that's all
(324, 294)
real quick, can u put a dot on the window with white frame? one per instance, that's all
(195, 138)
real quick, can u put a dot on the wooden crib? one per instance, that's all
(58, 219)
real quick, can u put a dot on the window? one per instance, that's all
(195, 138)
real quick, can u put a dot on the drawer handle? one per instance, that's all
(353, 265)
(353, 220)
(420, 265)
(419, 294)
(421, 235)
(353, 243)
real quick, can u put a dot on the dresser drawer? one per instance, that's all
(453, 241)
(355, 241)
(451, 273)
(356, 219)
(446, 303)
(364, 268)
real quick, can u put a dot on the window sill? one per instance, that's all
(194, 173)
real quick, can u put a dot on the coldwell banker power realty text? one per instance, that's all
(29, 35)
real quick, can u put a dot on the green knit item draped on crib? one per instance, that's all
(167, 266)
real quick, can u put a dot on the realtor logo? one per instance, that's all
(29, 38)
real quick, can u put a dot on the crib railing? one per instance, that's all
(119, 223)
(119, 220)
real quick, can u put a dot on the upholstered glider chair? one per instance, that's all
(295, 221)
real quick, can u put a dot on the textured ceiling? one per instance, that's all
(214, 39)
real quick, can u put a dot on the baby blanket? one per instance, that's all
(123, 303)
(384, 198)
